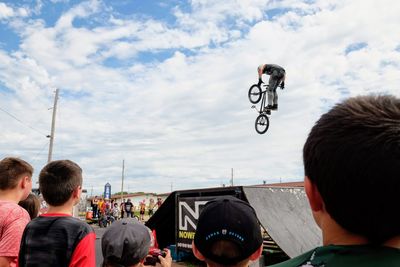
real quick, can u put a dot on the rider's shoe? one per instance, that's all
(275, 107)
(269, 107)
(268, 111)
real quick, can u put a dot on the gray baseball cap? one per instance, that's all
(125, 242)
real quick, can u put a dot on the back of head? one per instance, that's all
(126, 242)
(228, 231)
(31, 204)
(57, 181)
(11, 170)
(352, 155)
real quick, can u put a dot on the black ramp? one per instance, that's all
(286, 216)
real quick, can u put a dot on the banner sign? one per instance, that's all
(189, 209)
(107, 191)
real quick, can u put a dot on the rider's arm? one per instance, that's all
(260, 72)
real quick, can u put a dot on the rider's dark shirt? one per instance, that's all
(270, 68)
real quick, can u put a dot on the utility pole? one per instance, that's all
(231, 176)
(122, 184)
(53, 125)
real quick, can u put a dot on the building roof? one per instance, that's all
(287, 184)
(131, 195)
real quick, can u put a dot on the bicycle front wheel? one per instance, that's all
(255, 94)
(262, 124)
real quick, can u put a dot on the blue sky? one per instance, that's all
(163, 84)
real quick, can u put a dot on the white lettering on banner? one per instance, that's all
(184, 220)
(184, 245)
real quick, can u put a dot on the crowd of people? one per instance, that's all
(107, 211)
(352, 181)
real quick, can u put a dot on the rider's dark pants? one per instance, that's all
(274, 80)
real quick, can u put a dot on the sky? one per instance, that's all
(162, 85)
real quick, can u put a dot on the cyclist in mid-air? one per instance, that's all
(276, 76)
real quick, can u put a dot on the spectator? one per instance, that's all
(101, 207)
(15, 185)
(126, 243)
(228, 233)
(109, 212)
(151, 206)
(107, 206)
(57, 238)
(128, 208)
(122, 208)
(95, 205)
(142, 209)
(116, 212)
(106, 217)
(31, 204)
(159, 202)
(352, 181)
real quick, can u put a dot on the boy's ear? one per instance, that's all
(77, 192)
(313, 195)
(25, 181)
(197, 253)
(256, 254)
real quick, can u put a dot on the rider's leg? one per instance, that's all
(272, 96)
(275, 101)
(270, 91)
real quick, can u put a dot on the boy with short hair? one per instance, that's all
(352, 181)
(228, 233)
(15, 185)
(56, 238)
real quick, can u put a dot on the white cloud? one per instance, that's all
(5, 11)
(81, 10)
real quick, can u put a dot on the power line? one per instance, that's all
(40, 152)
(12, 116)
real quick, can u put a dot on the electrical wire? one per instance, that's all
(36, 157)
(12, 116)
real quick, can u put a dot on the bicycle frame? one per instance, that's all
(263, 99)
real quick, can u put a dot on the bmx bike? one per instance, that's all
(256, 93)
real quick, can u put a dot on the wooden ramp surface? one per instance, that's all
(286, 216)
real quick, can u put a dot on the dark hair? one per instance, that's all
(57, 181)
(11, 170)
(31, 204)
(352, 155)
(226, 248)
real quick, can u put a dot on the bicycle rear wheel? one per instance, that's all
(255, 94)
(262, 124)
